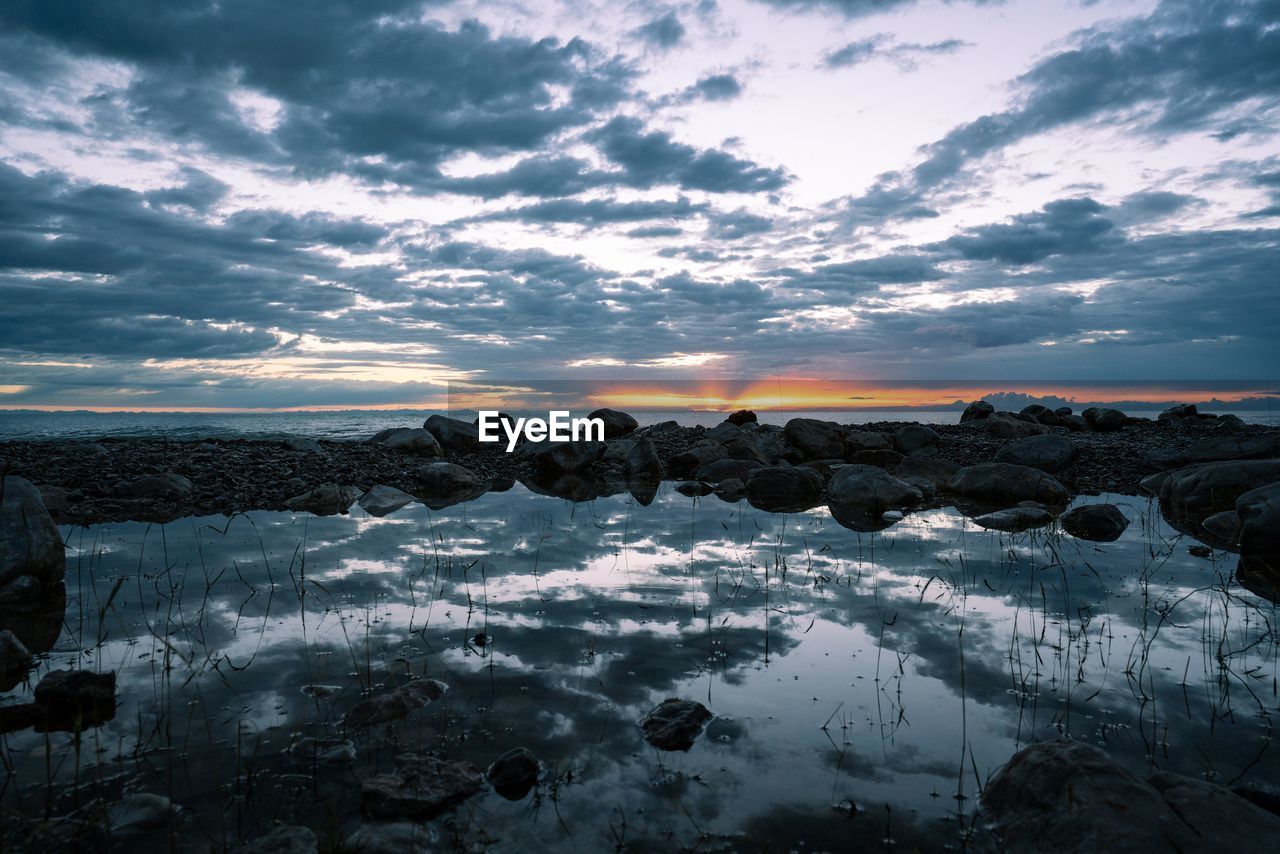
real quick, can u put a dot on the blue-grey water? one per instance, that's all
(360, 424)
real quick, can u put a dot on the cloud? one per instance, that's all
(596, 211)
(714, 87)
(738, 224)
(906, 56)
(664, 31)
(849, 8)
(1062, 227)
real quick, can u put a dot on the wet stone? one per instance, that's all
(395, 704)
(286, 839)
(514, 774)
(421, 788)
(674, 724)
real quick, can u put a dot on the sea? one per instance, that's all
(355, 424)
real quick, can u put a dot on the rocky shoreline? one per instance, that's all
(159, 480)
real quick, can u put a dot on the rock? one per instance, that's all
(422, 788)
(694, 488)
(936, 471)
(1074, 423)
(914, 437)
(1164, 459)
(66, 695)
(1035, 410)
(1105, 419)
(30, 545)
(724, 432)
(324, 500)
(616, 424)
(413, 440)
(442, 484)
(726, 470)
(1069, 796)
(1047, 453)
(382, 500)
(1259, 513)
(1100, 523)
(616, 451)
(687, 462)
(979, 410)
(395, 837)
(881, 459)
(56, 499)
(1015, 519)
(785, 489)
(1062, 411)
(1214, 449)
(731, 490)
(1223, 528)
(1231, 422)
(23, 590)
(395, 704)
(298, 443)
(286, 839)
(1005, 484)
(15, 660)
(674, 724)
(140, 811)
(856, 441)
(514, 774)
(742, 416)
(166, 486)
(643, 462)
(815, 439)
(323, 751)
(454, 434)
(1152, 483)
(870, 490)
(1179, 411)
(1003, 425)
(551, 459)
(748, 448)
(1189, 495)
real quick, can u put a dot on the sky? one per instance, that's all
(262, 204)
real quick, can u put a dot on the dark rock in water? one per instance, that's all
(616, 451)
(616, 423)
(556, 458)
(395, 704)
(742, 416)
(694, 488)
(1263, 447)
(1100, 523)
(514, 774)
(15, 660)
(421, 788)
(937, 471)
(302, 445)
(1104, 419)
(1069, 796)
(442, 484)
(323, 751)
(913, 437)
(411, 440)
(393, 837)
(784, 489)
(884, 459)
(1015, 519)
(325, 500)
(731, 490)
(30, 545)
(1003, 425)
(817, 440)
(727, 469)
(870, 490)
(826, 468)
(1223, 529)
(1006, 484)
(1047, 453)
(286, 839)
(643, 489)
(643, 461)
(167, 486)
(1200, 551)
(1191, 494)
(977, 411)
(454, 434)
(674, 724)
(697, 455)
(140, 811)
(1257, 573)
(1259, 512)
(76, 698)
(382, 500)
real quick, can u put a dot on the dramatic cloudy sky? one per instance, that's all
(249, 203)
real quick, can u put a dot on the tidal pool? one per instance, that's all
(865, 686)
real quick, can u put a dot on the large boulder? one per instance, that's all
(29, 542)
(911, 438)
(932, 469)
(1100, 523)
(453, 434)
(1104, 419)
(723, 433)
(856, 441)
(979, 410)
(643, 462)
(726, 469)
(551, 459)
(870, 490)
(1005, 425)
(616, 424)
(1048, 453)
(742, 416)
(817, 440)
(1214, 449)
(412, 440)
(1259, 514)
(697, 455)
(1069, 796)
(382, 500)
(1189, 495)
(1005, 484)
(786, 489)
(674, 724)
(324, 500)
(441, 484)
(514, 773)
(68, 694)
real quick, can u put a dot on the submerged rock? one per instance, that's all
(140, 811)
(395, 837)
(1101, 523)
(442, 484)
(394, 704)
(674, 724)
(784, 489)
(67, 694)
(30, 546)
(1068, 796)
(1015, 519)
(323, 751)
(694, 488)
(514, 774)
(324, 500)
(1048, 453)
(421, 788)
(383, 500)
(286, 839)
(1259, 514)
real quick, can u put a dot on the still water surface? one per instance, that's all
(865, 685)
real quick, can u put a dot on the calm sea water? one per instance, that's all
(360, 424)
(865, 686)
